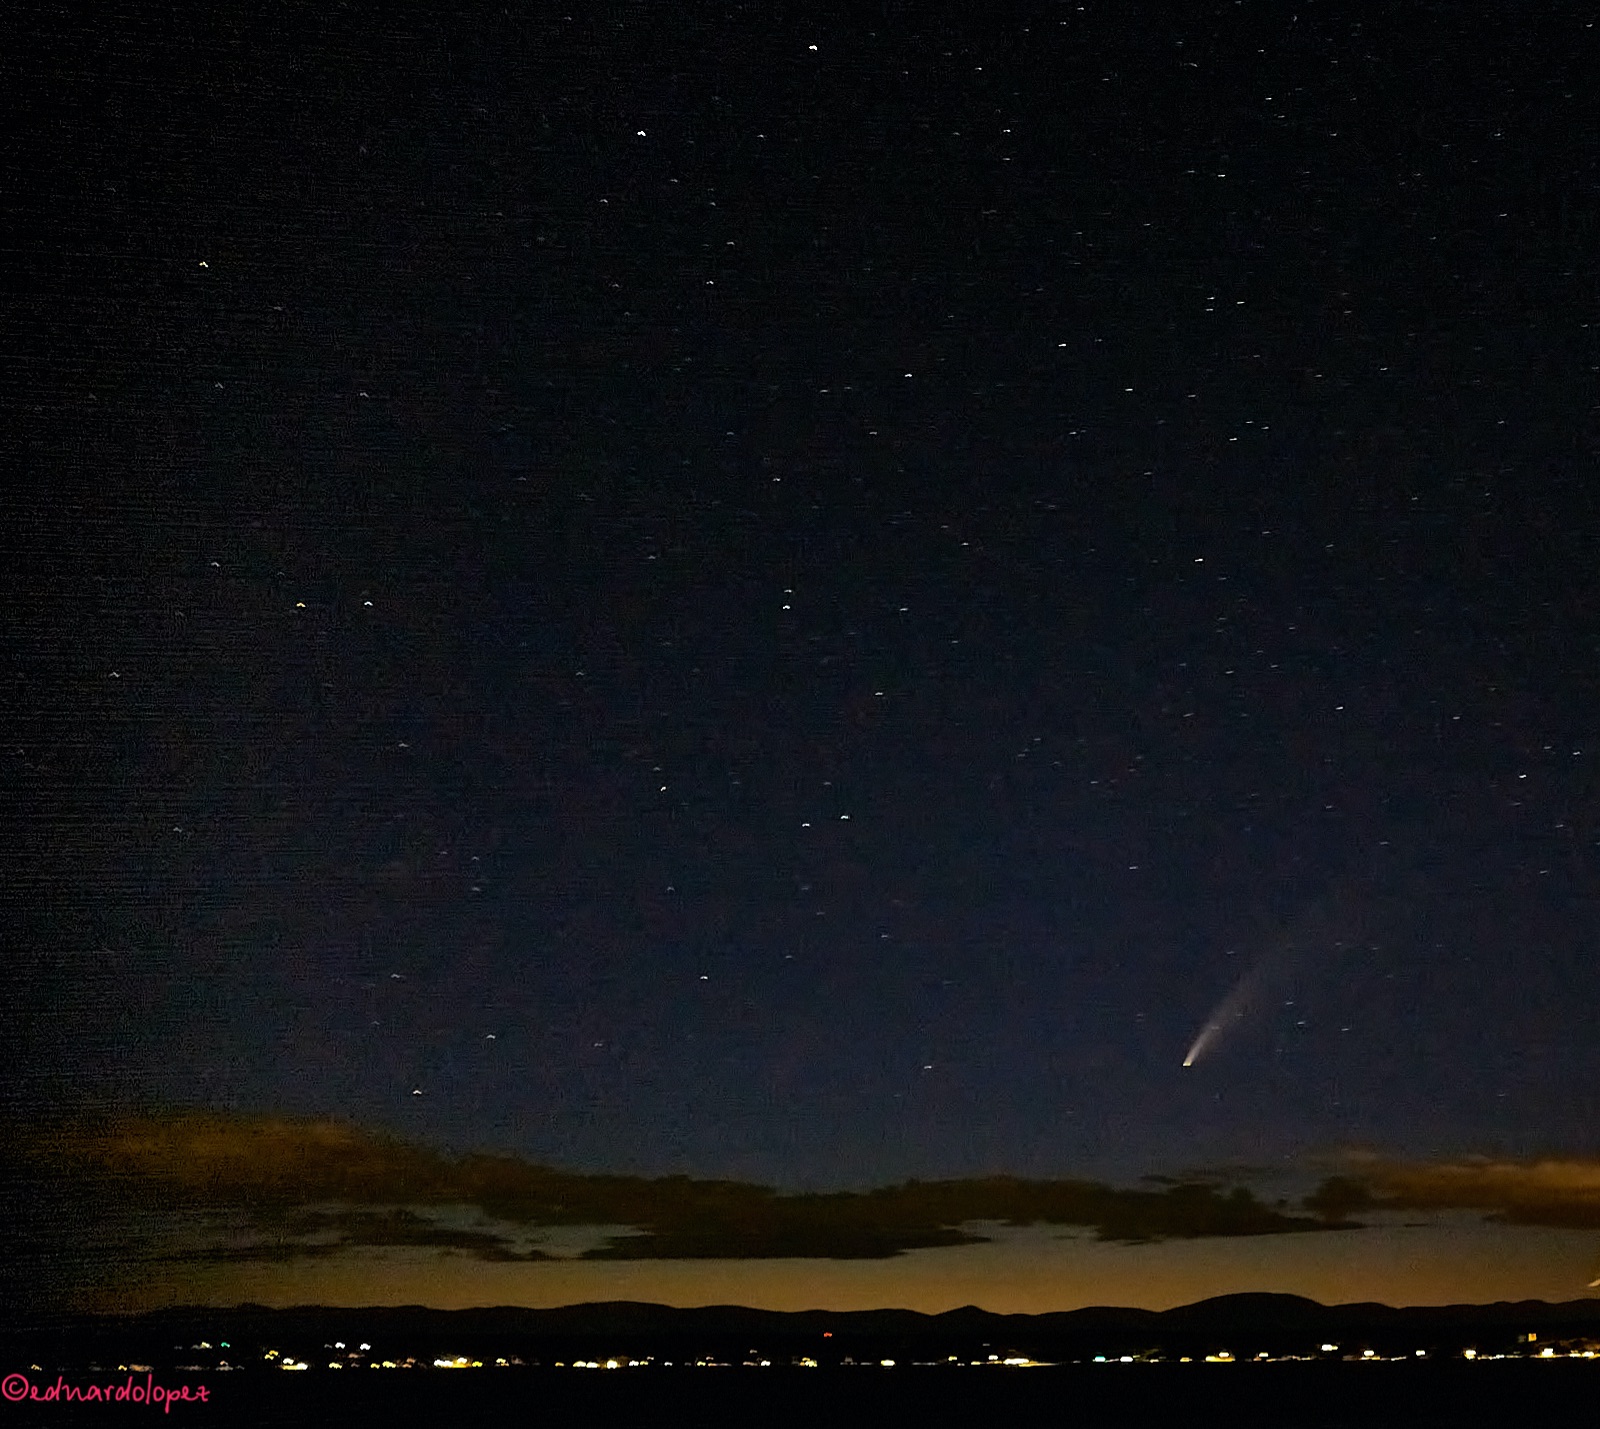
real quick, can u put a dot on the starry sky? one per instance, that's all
(808, 593)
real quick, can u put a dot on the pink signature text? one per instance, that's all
(16, 1387)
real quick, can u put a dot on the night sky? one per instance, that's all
(801, 592)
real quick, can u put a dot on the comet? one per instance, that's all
(1271, 973)
(1229, 1011)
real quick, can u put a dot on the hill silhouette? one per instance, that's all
(1244, 1324)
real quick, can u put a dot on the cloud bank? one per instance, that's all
(273, 1188)
(1562, 1193)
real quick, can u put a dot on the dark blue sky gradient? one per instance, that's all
(834, 627)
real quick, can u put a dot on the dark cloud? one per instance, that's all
(312, 1188)
(1561, 1193)
(347, 1228)
(319, 1234)
(272, 1252)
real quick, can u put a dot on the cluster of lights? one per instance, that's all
(1584, 1350)
(1549, 1352)
(1579, 1349)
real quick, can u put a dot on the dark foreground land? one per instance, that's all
(1327, 1395)
(1245, 1327)
(1246, 1360)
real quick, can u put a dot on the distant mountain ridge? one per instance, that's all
(1244, 1324)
